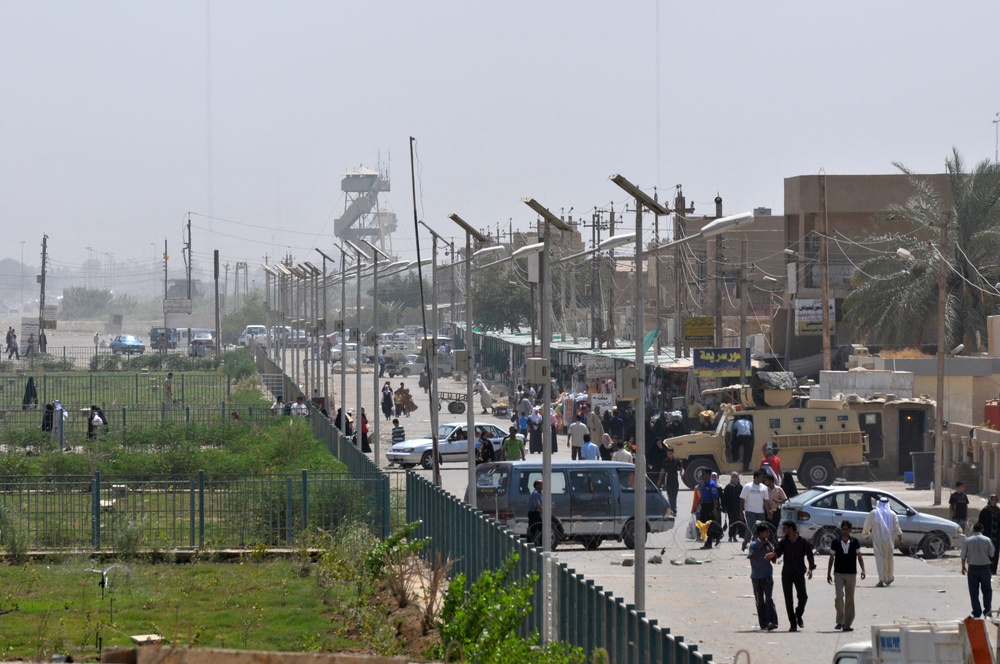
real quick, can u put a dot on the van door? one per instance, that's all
(525, 484)
(592, 508)
(625, 505)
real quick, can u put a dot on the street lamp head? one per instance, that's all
(529, 249)
(791, 252)
(358, 250)
(639, 195)
(617, 241)
(479, 237)
(545, 214)
(492, 249)
(729, 223)
(376, 250)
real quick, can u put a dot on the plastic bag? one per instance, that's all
(692, 529)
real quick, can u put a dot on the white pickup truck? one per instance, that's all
(969, 641)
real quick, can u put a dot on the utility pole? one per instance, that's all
(166, 334)
(187, 263)
(744, 358)
(225, 285)
(611, 281)
(215, 259)
(824, 272)
(717, 280)
(680, 209)
(942, 304)
(41, 281)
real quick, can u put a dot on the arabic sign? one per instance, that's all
(809, 317)
(719, 362)
(177, 305)
(699, 332)
(602, 399)
(599, 367)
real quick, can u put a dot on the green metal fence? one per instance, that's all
(115, 389)
(582, 613)
(89, 358)
(96, 512)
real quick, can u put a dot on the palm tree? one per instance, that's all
(895, 296)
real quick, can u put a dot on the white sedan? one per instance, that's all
(452, 445)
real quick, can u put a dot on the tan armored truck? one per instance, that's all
(817, 442)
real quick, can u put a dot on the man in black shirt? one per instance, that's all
(794, 572)
(673, 468)
(845, 558)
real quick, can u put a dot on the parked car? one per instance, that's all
(257, 332)
(818, 512)
(201, 344)
(452, 445)
(127, 344)
(591, 500)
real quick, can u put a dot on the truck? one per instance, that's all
(969, 641)
(818, 441)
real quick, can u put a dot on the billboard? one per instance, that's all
(720, 362)
(599, 367)
(699, 331)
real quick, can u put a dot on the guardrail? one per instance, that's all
(95, 512)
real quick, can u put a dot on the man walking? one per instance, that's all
(882, 526)
(589, 451)
(577, 431)
(762, 578)
(535, 514)
(977, 551)
(958, 505)
(775, 499)
(743, 441)
(753, 505)
(794, 572)
(512, 446)
(594, 425)
(673, 468)
(731, 503)
(842, 572)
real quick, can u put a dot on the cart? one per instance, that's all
(456, 401)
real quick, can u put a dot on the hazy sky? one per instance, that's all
(119, 118)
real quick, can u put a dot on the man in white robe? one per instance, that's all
(882, 526)
(485, 398)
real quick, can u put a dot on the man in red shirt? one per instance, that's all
(771, 461)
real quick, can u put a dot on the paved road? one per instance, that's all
(711, 603)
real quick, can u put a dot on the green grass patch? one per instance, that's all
(58, 608)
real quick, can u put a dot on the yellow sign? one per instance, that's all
(814, 328)
(699, 332)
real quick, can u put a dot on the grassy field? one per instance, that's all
(58, 608)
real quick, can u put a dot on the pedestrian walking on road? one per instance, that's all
(731, 504)
(882, 526)
(753, 504)
(794, 572)
(535, 514)
(512, 446)
(976, 554)
(387, 400)
(990, 518)
(762, 578)
(842, 573)
(958, 506)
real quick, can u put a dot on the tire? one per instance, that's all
(934, 545)
(405, 373)
(427, 460)
(591, 543)
(628, 534)
(824, 538)
(817, 471)
(695, 468)
(456, 407)
(536, 537)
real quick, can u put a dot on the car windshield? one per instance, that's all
(806, 495)
(129, 338)
(444, 431)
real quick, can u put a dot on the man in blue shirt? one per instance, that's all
(743, 441)
(762, 578)
(535, 514)
(589, 451)
(708, 505)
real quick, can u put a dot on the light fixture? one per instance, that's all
(617, 241)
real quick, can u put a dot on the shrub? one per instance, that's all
(240, 364)
(482, 621)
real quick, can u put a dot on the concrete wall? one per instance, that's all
(968, 383)
(863, 383)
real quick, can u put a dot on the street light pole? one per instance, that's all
(639, 523)
(470, 417)
(430, 356)
(358, 343)
(942, 305)
(376, 252)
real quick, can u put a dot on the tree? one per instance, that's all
(895, 297)
(496, 303)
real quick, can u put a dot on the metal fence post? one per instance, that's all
(201, 509)
(95, 512)
(191, 490)
(187, 414)
(91, 391)
(183, 400)
(386, 507)
(163, 412)
(229, 385)
(305, 500)
(288, 510)
(136, 388)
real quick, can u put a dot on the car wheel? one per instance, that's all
(823, 540)
(427, 460)
(934, 545)
(591, 543)
(628, 535)
(405, 373)
(817, 471)
(696, 468)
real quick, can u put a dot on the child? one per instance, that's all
(398, 432)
